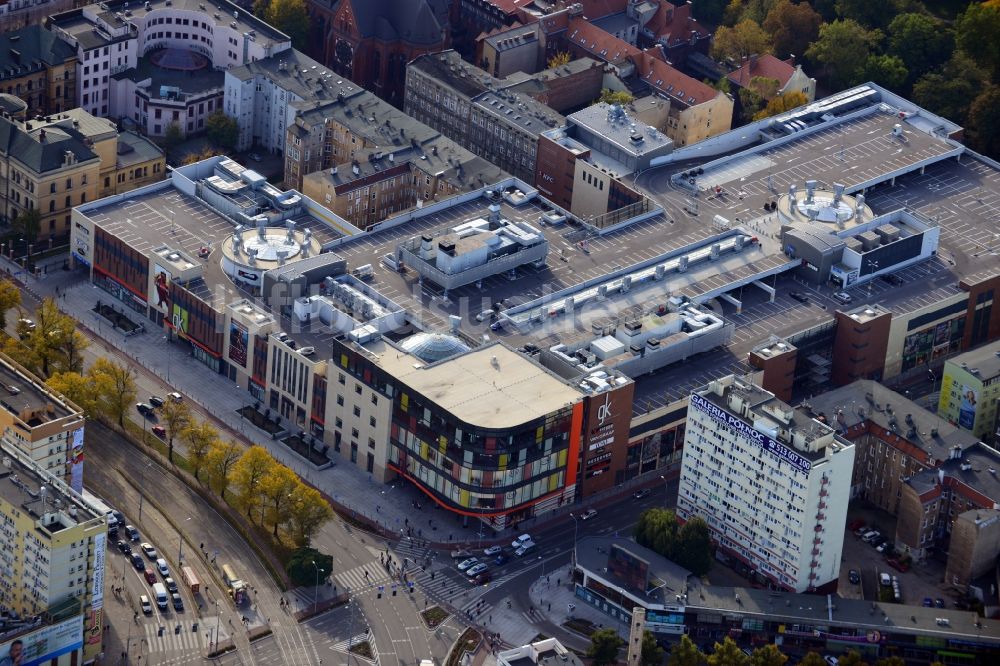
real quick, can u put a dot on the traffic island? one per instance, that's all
(269, 423)
(580, 626)
(433, 616)
(363, 650)
(307, 448)
(468, 642)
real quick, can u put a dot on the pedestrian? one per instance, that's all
(550, 606)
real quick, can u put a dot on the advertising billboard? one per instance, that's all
(239, 340)
(76, 460)
(43, 645)
(180, 320)
(967, 407)
(160, 298)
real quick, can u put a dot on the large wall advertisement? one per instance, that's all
(239, 341)
(160, 296)
(43, 645)
(76, 460)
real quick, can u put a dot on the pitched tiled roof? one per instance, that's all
(595, 9)
(679, 87)
(38, 154)
(767, 66)
(674, 23)
(598, 43)
(509, 7)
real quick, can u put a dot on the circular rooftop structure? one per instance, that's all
(180, 60)
(822, 206)
(249, 251)
(434, 347)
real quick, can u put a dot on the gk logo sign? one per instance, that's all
(604, 411)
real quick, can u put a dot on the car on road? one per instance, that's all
(255, 157)
(468, 564)
(588, 514)
(149, 576)
(161, 566)
(928, 602)
(131, 532)
(525, 547)
(156, 401)
(159, 431)
(461, 554)
(124, 546)
(799, 296)
(147, 608)
(502, 559)
(177, 601)
(493, 550)
(119, 516)
(939, 603)
(176, 397)
(642, 492)
(520, 541)
(842, 297)
(854, 577)
(831, 660)
(145, 409)
(896, 564)
(482, 578)
(170, 583)
(476, 570)
(148, 550)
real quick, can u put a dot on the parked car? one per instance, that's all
(147, 608)
(883, 546)
(588, 514)
(493, 550)
(176, 397)
(642, 492)
(939, 603)
(800, 297)
(870, 536)
(476, 570)
(149, 576)
(855, 525)
(928, 602)
(148, 550)
(897, 565)
(170, 583)
(159, 431)
(884, 579)
(177, 601)
(461, 554)
(842, 297)
(156, 401)
(131, 532)
(854, 577)
(465, 565)
(832, 661)
(862, 530)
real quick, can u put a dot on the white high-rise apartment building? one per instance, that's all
(771, 482)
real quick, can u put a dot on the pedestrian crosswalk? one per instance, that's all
(343, 645)
(170, 640)
(362, 576)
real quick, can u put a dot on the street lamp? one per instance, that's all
(316, 590)
(666, 489)
(352, 602)
(218, 621)
(142, 478)
(576, 524)
(180, 544)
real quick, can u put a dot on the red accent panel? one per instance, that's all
(575, 433)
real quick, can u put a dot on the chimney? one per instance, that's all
(41, 136)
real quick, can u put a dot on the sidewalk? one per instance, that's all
(166, 366)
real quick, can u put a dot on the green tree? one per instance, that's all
(651, 654)
(657, 529)
(26, 224)
(247, 475)
(199, 437)
(764, 86)
(276, 489)
(223, 130)
(782, 103)
(741, 41)
(172, 135)
(757, 10)
(219, 461)
(852, 658)
(305, 564)
(950, 90)
(768, 655)
(885, 70)
(728, 653)
(976, 31)
(620, 97)
(693, 549)
(10, 297)
(793, 27)
(921, 42)
(78, 389)
(982, 128)
(812, 659)
(290, 17)
(115, 388)
(559, 59)
(55, 342)
(686, 653)
(308, 512)
(175, 416)
(604, 644)
(751, 104)
(842, 50)
(709, 11)
(891, 661)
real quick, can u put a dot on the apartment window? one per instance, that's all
(371, 443)
(371, 421)
(357, 411)
(340, 401)
(357, 389)
(341, 378)
(354, 433)
(52, 188)
(374, 399)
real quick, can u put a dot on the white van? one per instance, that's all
(390, 261)
(160, 594)
(364, 272)
(520, 541)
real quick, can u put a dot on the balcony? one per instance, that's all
(815, 552)
(820, 517)
(822, 505)
(823, 492)
(817, 541)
